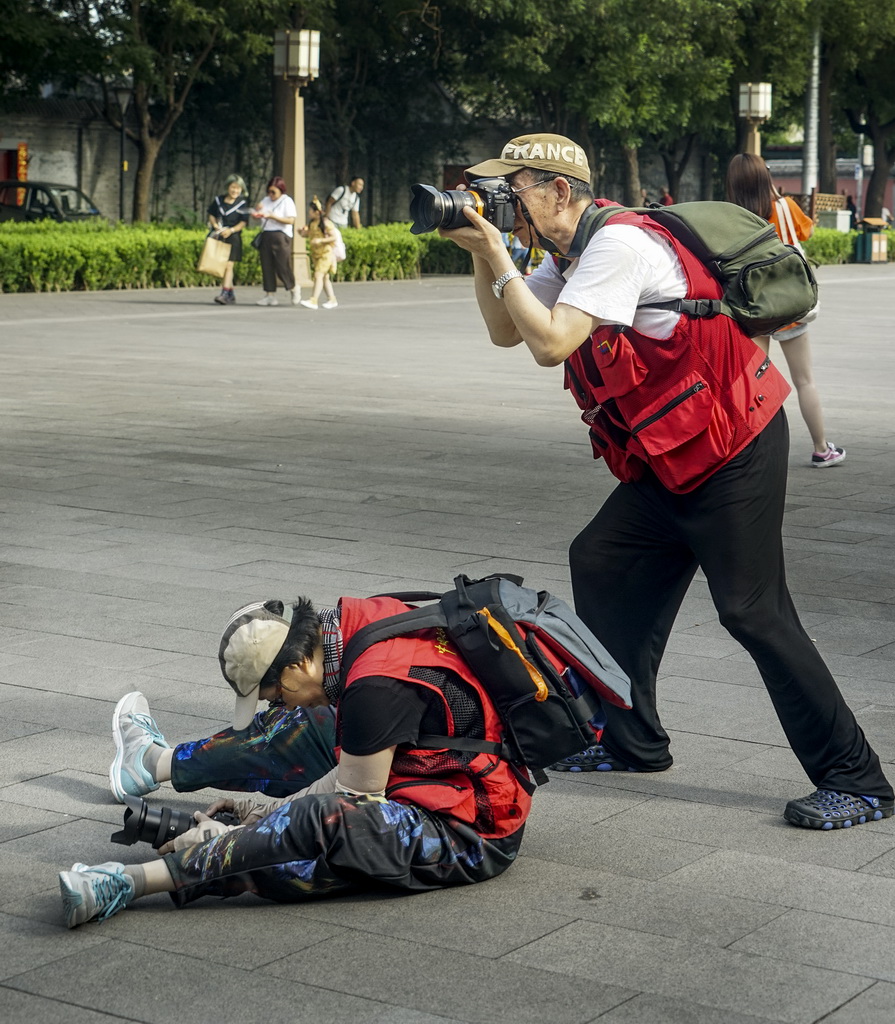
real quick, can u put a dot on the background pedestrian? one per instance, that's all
(228, 215)
(276, 211)
(749, 184)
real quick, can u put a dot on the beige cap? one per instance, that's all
(542, 152)
(250, 644)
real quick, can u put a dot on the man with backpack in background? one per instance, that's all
(414, 790)
(344, 201)
(688, 414)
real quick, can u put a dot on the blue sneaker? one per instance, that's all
(826, 809)
(97, 892)
(134, 732)
(594, 759)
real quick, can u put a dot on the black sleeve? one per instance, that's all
(213, 210)
(376, 713)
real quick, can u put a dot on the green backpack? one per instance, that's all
(767, 284)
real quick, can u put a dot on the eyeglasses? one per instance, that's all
(534, 184)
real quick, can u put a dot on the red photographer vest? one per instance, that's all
(487, 793)
(683, 406)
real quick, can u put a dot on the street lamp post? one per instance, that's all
(755, 108)
(865, 160)
(296, 58)
(123, 95)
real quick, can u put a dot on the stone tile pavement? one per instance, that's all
(164, 460)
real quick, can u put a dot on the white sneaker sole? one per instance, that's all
(121, 708)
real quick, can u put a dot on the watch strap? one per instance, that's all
(504, 279)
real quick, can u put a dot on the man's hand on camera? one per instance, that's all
(207, 828)
(249, 809)
(481, 238)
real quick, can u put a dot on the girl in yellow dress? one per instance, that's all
(322, 237)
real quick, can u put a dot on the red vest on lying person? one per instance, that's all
(683, 406)
(485, 791)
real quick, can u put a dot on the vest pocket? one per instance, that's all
(436, 794)
(685, 432)
(619, 367)
(622, 464)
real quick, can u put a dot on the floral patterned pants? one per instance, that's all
(331, 845)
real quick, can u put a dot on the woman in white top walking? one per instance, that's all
(749, 184)
(277, 213)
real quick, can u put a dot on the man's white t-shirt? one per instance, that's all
(622, 268)
(344, 202)
(282, 207)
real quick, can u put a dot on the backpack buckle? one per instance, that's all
(705, 308)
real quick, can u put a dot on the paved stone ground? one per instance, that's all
(164, 460)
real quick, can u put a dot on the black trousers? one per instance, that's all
(276, 260)
(631, 567)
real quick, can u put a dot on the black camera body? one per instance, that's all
(491, 198)
(158, 825)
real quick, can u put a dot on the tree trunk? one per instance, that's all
(588, 146)
(674, 167)
(149, 148)
(631, 168)
(707, 175)
(826, 145)
(875, 198)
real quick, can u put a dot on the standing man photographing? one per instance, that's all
(688, 415)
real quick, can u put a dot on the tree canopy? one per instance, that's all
(404, 82)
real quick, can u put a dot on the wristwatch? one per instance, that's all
(498, 286)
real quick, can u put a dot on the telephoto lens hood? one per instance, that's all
(157, 825)
(153, 825)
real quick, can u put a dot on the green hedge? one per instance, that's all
(827, 245)
(47, 256)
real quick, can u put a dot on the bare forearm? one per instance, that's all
(551, 335)
(364, 774)
(501, 328)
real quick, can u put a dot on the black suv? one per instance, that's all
(40, 200)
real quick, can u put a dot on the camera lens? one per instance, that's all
(431, 209)
(153, 825)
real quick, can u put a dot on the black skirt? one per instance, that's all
(235, 243)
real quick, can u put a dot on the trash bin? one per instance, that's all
(872, 244)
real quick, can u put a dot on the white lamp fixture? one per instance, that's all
(296, 55)
(755, 100)
(755, 107)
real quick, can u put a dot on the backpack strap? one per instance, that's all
(596, 217)
(430, 617)
(593, 218)
(703, 308)
(462, 743)
(540, 777)
(403, 624)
